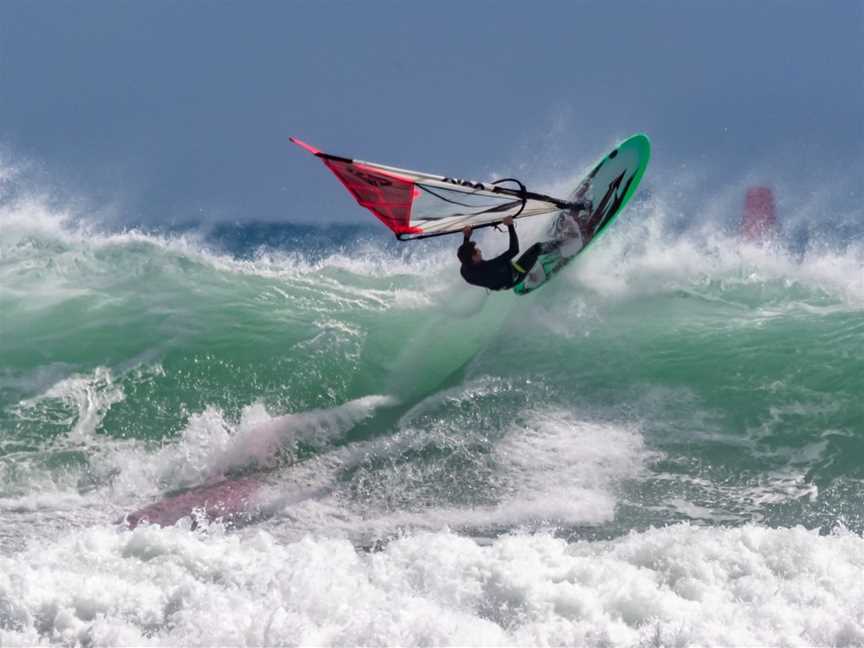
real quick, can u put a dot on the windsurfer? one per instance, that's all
(502, 272)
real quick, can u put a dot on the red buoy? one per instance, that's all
(759, 222)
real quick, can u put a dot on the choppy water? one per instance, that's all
(663, 446)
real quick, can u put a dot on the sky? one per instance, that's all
(169, 112)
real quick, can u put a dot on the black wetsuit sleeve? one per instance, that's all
(513, 250)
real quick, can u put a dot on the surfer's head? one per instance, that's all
(468, 253)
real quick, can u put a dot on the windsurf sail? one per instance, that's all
(418, 205)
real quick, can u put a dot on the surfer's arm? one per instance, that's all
(513, 250)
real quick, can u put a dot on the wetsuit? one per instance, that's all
(502, 272)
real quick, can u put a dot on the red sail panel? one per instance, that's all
(387, 195)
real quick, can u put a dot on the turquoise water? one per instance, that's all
(742, 382)
(667, 383)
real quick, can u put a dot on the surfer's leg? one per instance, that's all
(525, 262)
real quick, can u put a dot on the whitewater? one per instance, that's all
(661, 447)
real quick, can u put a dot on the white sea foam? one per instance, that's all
(679, 585)
(561, 469)
(645, 257)
(551, 469)
(210, 446)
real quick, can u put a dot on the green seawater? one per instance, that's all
(726, 394)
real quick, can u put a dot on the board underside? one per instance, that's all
(609, 187)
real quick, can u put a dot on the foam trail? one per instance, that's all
(210, 446)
